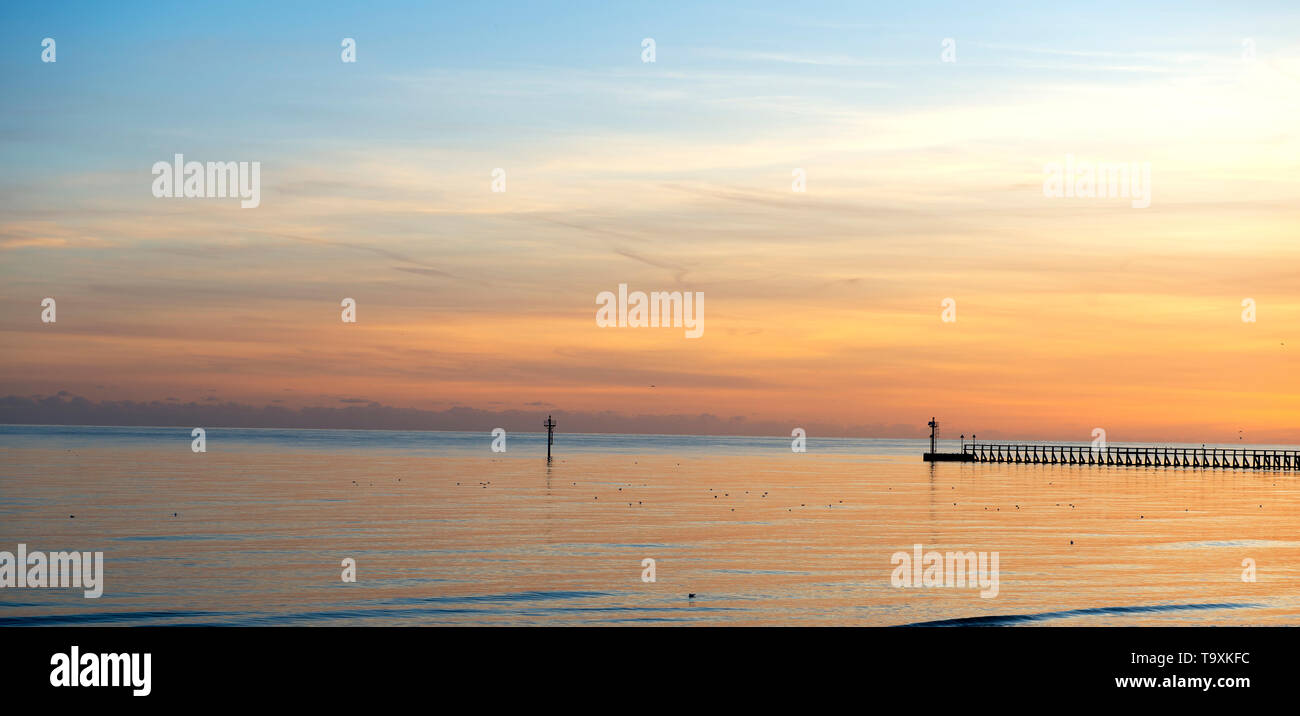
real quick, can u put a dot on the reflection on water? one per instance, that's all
(445, 532)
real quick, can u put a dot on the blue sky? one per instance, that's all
(259, 74)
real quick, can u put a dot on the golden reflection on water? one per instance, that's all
(258, 537)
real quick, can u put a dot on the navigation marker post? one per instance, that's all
(550, 436)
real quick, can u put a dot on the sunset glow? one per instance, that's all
(924, 181)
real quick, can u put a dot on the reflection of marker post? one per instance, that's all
(550, 436)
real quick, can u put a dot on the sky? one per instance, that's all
(923, 183)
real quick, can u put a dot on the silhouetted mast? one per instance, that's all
(550, 436)
(935, 456)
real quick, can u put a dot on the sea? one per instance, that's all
(264, 526)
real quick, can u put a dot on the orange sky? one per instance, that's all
(823, 307)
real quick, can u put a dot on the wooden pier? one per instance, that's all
(1050, 454)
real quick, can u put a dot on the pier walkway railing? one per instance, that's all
(1049, 454)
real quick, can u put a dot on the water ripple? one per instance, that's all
(1010, 619)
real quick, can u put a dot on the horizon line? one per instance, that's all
(1014, 441)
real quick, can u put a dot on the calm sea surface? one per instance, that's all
(444, 531)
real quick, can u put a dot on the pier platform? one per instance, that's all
(948, 457)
